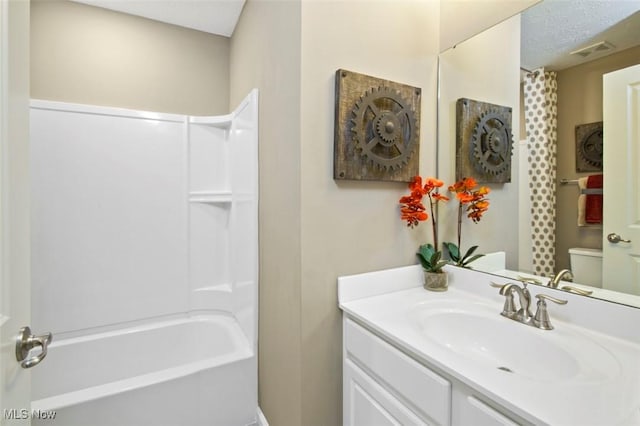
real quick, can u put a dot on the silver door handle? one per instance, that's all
(25, 341)
(615, 238)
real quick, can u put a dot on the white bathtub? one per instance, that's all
(191, 371)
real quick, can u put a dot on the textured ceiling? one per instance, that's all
(211, 16)
(554, 28)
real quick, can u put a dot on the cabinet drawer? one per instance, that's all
(424, 391)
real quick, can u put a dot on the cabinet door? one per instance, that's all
(366, 403)
(477, 413)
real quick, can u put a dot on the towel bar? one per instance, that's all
(592, 191)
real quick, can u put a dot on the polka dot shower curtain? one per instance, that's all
(540, 106)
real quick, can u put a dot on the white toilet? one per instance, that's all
(586, 266)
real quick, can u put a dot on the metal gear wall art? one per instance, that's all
(484, 142)
(376, 129)
(384, 128)
(491, 143)
(589, 147)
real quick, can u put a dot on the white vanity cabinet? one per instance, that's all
(384, 386)
(416, 357)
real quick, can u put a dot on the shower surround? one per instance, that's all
(145, 264)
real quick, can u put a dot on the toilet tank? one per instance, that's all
(586, 266)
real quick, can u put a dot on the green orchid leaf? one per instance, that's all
(476, 257)
(440, 265)
(424, 256)
(454, 253)
(429, 258)
(426, 251)
(469, 252)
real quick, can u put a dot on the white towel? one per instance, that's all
(582, 201)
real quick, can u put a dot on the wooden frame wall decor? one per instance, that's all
(589, 147)
(376, 130)
(484, 142)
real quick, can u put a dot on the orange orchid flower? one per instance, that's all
(432, 183)
(413, 211)
(440, 197)
(483, 190)
(475, 199)
(471, 201)
(464, 197)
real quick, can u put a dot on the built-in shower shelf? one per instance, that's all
(224, 288)
(215, 197)
(221, 122)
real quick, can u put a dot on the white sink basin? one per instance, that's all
(478, 333)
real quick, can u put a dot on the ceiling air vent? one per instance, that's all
(599, 47)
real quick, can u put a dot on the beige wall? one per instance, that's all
(462, 19)
(313, 229)
(265, 53)
(90, 55)
(465, 73)
(579, 102)
(350, 227)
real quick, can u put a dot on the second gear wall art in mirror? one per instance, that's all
(589, 147)
(484, 142)
(377, 126)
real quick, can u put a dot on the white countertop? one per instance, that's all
(388, 302)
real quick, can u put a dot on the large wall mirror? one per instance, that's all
(579, 42)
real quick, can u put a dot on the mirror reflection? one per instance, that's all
(538, 226)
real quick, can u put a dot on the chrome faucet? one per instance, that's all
(523, 315)
(555, 279)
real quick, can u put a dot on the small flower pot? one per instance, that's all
(435, 281)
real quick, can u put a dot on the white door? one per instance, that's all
(15, 285)
(621, 213)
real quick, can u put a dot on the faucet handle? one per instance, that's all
(541, 298)
(496, 285)
(577, 290)
(529, 280)
(541, 317)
